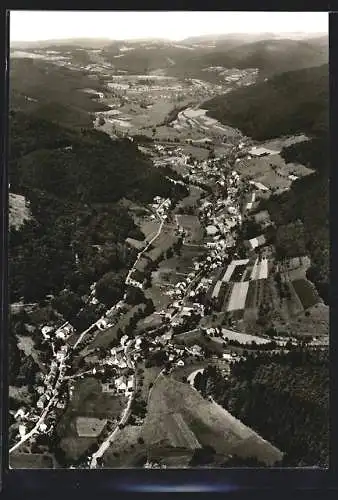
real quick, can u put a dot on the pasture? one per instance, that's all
(307, 292)
(209, 423)
(87, 400)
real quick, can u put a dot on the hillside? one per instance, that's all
(275, 56)
(282, 396)
(189, 57)
(289, 103)
(73, 182)
(46, 90)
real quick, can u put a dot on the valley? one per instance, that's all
(176, 275)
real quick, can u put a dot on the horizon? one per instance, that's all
(42, 26)
(216, 35)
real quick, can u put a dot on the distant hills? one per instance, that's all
(90, 43)
(270, 53)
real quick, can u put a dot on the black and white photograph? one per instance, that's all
(168, 240)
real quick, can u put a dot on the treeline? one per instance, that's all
(289, 103)
(284, 397)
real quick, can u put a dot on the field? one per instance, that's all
(228, 275)
(243, 338)
(260, 270)
(90, 426)
(139, 245)
(195, 193)
(317, 323)
(282, 142)
(264, 171)
(306, 292)
(20, 460)
(149, 228)
(18, 210)
(238, 273)
(208, 422)
(88, 400)
(238, 296)
(192, 226)
(125, 450)
(165, 240)
(196, 152)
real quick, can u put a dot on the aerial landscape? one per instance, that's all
(169, 244)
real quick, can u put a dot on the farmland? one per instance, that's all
(18, 210)
(238, 296)
(21, 460)
(271, 171)
(124, 451)
(306, 292)
(88, 400)
(165, 241)
(210, 424)
(243, 338)
(149, 228)
(192, 226)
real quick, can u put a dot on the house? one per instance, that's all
(196, 349)
(46, 330)
(180, 362)
(120, 384)
(102, 324)
(124, 339)
(22, 430)
(256, 242)
(43, 427)
(211, 230)
(20, 413)
(259, 151)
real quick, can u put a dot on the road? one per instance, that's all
(123, 419)
(140, 254)
(42, 416)
(130, 272)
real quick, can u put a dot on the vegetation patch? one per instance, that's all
(306, 292)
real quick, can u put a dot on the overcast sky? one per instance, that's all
(45, 25)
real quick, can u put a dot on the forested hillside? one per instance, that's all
(55, 93)
(273, 56)
(73, 181)
(289, 103)
(307, 205)
(284, 397)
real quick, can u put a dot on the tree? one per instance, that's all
(134, 296)
(109, 289)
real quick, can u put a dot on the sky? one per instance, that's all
(172, 25)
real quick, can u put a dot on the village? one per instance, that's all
(213, 308)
